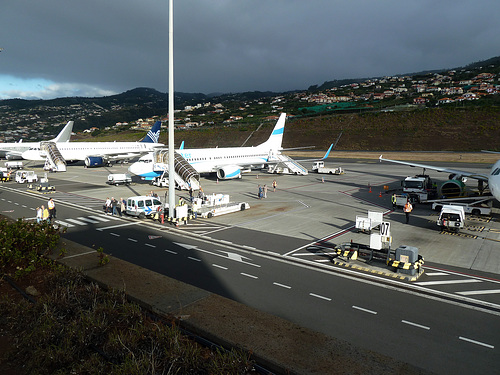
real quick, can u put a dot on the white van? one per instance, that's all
(143, 205)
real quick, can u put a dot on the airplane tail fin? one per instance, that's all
(65, 134)
(182, 146)
(276, 137)
(154, 134)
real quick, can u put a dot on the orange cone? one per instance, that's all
(380, 195)
(370, 188)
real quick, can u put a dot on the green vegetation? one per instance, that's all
(76, 327)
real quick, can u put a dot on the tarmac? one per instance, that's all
(316, 213)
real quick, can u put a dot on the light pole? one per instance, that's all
(171, 171)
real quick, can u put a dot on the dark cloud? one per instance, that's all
(245, 45)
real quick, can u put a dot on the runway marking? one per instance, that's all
(131, 239)
(476, 342)
(114, 234)
(415, 324)
(248, 275)
(195, 259)
(170, 251)
(282, 285)
(478, 292)
(364, 310)
(318, 296)
(148, 244)
(217, 266)
(447, 282)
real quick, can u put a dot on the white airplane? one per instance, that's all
(98, 154)
(456, 176)
(226, 162)
(13, 151)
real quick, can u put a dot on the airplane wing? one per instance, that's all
(457, 172)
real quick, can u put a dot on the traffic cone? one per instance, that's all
(380, 195)
(370, 188)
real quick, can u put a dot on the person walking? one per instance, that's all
(265, 191)
(39, 215)
(275, 185)
(114, 205)
(260, 192)
(393, 200)
(407, 209)
(123, 206)
(52, 209)
(107, 206)
(45, 214)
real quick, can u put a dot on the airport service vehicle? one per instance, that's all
(26, 176)
(119, 179)
(319, 167)
(419, 188)
(14, 164)
(475, 208)
(5, 176)
(451, 218)
(215, 205)
(142, 206)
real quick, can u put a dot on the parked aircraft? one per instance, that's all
(226, 162)
(97, 154)
(456, 176)
(13, 151)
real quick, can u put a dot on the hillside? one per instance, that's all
(437, 129)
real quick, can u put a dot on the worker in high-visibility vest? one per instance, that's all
(393, 200)
(52, 209)
(407, 209)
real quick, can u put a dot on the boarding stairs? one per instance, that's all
(185, 176)
(285, 164)
(54, 160)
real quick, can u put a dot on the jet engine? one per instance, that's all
(228, 172)
(452, 189)
(95, 161)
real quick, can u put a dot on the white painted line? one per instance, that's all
(24, 206)
(415, 324)
(476, 342)
(318, 296)
(283, 285)
(365, 310)
(437, 274)
(322, 260)
(79, 255)
(114, 234)
(221, 267)
(247, 275)
(170, 251)
(63, 223)
(88, 220)
(117, 226)
(446, 282)
(131, 239)
(478, 292)
(148, 244)
(103, 219)
(196, 259)
(77, 222)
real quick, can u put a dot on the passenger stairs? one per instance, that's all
(185, 175)
(54, 160)
(285, 164)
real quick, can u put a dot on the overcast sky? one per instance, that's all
(56, 48)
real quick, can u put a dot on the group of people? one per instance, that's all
(115, 207)
(263, 190)
(46, 213)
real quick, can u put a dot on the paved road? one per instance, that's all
(447, 321)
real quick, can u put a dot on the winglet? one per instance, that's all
(182, 146)
(380, 158)
(154, 134)
(327, 153)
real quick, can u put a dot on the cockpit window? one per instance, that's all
(496, 172)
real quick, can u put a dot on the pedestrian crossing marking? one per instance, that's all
(77, 222)
(479, 292)
(445, 282)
